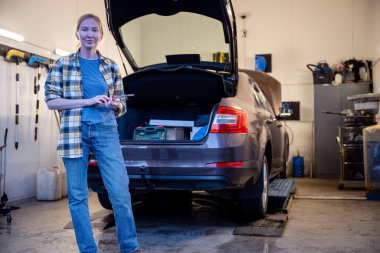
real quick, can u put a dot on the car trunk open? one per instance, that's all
(180, 75)
(131, 22)
(181, 121)
(182, 101)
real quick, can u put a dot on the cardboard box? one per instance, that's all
(175, 133)
(171, 123)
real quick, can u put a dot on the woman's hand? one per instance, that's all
(114, 103)
(98, 100)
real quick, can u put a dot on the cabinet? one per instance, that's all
(332, 98)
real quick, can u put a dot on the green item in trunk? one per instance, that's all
(150, 133)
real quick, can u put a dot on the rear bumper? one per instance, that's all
(187, 166)
(179, 182)
(226, 178)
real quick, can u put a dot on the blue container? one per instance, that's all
(298, 166)
(261, 63)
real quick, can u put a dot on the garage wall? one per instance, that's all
(375, 42)
(299, 32)
(296, 32)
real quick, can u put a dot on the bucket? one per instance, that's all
(298, 166)
(49, 184)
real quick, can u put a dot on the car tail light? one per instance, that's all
(225, 165)
(92, 162)
(230, 120)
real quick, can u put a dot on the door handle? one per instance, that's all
(271, 120)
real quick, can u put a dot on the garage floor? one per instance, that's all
(314, 225)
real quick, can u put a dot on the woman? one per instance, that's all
(84, 87)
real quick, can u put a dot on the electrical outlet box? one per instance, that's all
(263, 62)
(290, 110)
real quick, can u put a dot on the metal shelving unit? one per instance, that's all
(351, 156)
(331, 98)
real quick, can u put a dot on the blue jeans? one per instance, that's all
(103, 140)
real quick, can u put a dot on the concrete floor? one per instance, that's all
(314, 225)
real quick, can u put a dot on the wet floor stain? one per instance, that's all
(167, 225)
(5, 227)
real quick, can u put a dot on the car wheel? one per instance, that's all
(256, 208)
(105, 201)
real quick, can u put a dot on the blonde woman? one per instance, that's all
(85, 87)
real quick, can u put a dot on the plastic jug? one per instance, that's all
(298, 165)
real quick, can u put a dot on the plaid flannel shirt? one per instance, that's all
(64, 81)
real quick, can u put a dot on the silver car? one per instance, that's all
(194, 121)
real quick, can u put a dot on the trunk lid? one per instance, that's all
(173, 33)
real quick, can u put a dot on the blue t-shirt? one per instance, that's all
(93, 84)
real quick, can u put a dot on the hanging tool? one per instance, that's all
(36, 61)
(4, 198)
(14, 55)
(4, 209)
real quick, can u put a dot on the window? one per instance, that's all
(255, 93)
(260, 98)
(151, 37)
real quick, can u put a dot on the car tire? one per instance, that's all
(105, 201)
(256, 208)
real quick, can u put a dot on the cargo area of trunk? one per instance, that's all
(171, 104)
(166, 121)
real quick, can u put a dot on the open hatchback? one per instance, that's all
(194, 122)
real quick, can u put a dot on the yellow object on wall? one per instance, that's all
(13, 53)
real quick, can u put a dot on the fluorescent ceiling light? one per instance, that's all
(11, 35)
(61, 52)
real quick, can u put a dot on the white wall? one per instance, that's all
(375, 41)
(21, 164)
(296, 32)
(299, 32)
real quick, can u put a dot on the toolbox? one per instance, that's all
(322, 73)
(150, 133)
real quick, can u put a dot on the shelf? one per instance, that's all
(353, 163)
(352, 145)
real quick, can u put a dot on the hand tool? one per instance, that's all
(36, 61)
(4, 198)
(125, 96)
(4, 208)
(14, 55)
